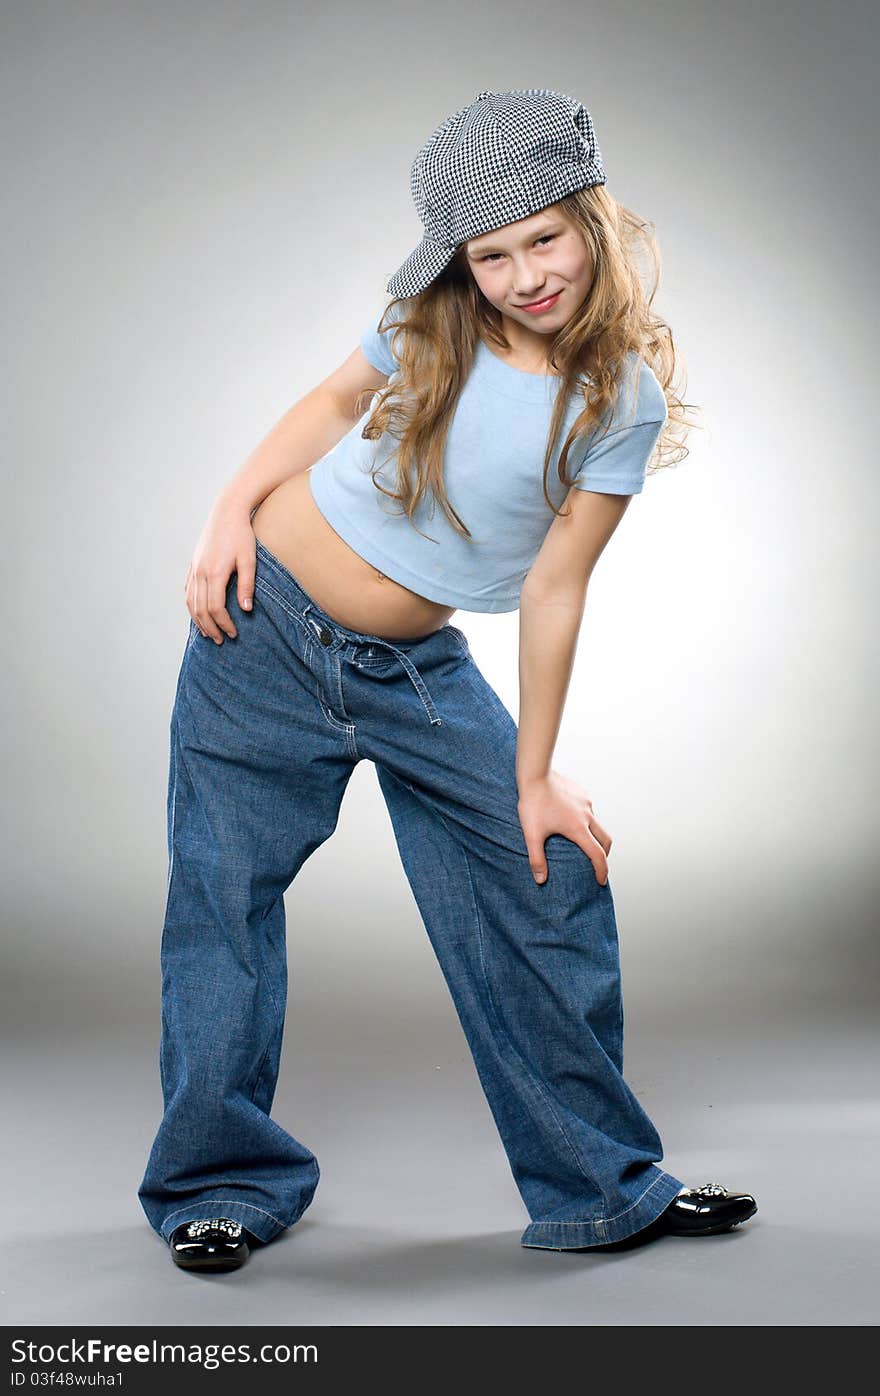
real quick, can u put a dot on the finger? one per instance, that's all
(537, 861)
(596, 854)
(217, 605)
(247, 571)
(191, 601)
(599, 832)
(204, 619)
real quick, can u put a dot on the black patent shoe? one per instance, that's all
(210, 1243)
(706, 1210)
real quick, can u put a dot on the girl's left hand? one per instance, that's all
(554, 804)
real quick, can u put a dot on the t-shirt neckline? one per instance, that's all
(516, 381)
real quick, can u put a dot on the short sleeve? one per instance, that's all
(616, 461)
(377, 347)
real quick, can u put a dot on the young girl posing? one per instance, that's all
(321, 592)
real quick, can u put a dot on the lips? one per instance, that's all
(538, 305)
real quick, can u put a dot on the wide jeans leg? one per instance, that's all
(256, 777)
(533, 970)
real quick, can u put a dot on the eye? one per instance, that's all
(545, 237)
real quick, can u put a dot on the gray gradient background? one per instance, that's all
(203, 202)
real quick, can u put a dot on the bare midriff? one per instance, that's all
(346, 586)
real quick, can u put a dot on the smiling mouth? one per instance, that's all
(530, 305)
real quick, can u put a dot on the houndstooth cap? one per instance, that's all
(507, 155)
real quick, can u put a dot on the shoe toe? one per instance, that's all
(215, 1243)
(708, 1209)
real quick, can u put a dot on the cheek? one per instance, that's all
(488, 272)
(580, 268)
(490, 287)
(573, 267)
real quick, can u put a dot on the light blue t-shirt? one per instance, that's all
(492, 469)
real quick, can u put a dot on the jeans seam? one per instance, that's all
(327, 711)
(262, 1065)
(591, 1221)
(174, 775)
(210, 1201)
(649, 1188)
(274, 1031)
(262, 584)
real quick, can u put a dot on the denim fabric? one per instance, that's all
(265, 732)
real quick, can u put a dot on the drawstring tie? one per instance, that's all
(410, 669)
(418, 682)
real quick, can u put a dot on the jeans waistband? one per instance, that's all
(342, 636)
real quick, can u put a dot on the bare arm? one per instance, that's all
(551, 611)
(306, 432)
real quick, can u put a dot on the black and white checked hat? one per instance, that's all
(507, 155)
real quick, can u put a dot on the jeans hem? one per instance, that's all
(257, 1220)
(580, 1235)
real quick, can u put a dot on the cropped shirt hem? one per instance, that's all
(440, 592)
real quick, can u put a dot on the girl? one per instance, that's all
(518, 332)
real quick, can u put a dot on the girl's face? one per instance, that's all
(537, 271)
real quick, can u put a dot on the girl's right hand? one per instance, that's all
(227, 544)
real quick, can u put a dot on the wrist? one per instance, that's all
(530, 778)
(234, 500)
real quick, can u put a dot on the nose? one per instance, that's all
(528, 281)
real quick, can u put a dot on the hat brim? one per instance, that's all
(422, 266)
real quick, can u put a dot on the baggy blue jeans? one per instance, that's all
(265, 732)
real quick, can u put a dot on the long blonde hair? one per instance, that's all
(436, 333)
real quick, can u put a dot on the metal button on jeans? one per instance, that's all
(325, 637)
